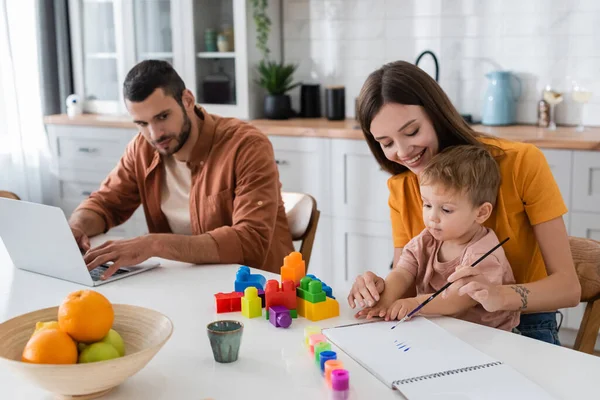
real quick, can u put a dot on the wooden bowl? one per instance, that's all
(144, 332)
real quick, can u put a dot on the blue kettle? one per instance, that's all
(499, 107)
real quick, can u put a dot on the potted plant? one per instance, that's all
(275, 77)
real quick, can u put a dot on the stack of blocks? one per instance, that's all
(298, 294)
(336, 377)
(313, 302)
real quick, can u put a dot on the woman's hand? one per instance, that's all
(366, 290)
(472, 282)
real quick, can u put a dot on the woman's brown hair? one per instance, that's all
(404, 83)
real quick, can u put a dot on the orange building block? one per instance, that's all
(318, 311)
(280, 296)
(293, 268)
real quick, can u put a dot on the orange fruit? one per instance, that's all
(50, 346)
(86, 316)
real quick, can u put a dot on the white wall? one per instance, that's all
(342, 41)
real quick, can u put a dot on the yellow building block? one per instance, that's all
(251, 303)
(329, 308)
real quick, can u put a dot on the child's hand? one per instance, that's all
(400, 308)
(377, 311)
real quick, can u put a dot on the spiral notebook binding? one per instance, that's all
(445, 373)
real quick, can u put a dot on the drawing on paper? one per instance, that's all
(403, 346)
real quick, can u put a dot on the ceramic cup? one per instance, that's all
(225, 338)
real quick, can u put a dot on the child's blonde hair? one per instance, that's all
(467, 169)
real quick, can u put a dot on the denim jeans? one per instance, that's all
(540, 326)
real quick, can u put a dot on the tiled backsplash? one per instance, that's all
(542, 41)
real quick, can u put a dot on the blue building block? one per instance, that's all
(328, 291)
(244, 279)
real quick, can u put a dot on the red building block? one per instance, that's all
(280, 296)
(228, 302)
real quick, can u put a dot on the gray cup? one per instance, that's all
(225, 338)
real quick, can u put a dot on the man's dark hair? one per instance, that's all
(147, 76)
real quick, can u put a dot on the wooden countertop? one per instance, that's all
(564, 137)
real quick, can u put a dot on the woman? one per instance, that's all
(406, 119)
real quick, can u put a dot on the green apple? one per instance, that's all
(81, 346)
(115, 340)
(98, 352)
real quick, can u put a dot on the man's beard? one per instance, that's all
(183, 135)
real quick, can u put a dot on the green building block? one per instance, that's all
(320, 347)
(311, 291)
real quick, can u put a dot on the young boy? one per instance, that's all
(458, 189)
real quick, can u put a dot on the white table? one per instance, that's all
(273, 362)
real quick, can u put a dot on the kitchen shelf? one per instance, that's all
(216, 54)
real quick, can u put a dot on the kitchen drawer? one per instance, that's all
(303, 165)
(359, 186)
(586, 181)
(76, 191)
(89, 148)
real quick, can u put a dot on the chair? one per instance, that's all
(9, 195)
(303, 217)
(586, 257)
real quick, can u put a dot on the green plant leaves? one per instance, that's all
(276, 77)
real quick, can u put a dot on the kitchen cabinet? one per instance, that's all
(108, 37)
(561, 164)
(586, 181)
(360, 246)
(358, 185)
(304, 166)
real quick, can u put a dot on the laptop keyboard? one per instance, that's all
(97, 272)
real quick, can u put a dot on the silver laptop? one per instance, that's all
(38, 239)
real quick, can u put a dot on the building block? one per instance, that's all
(330, 366)
(318, 311)
(310, 290)
(326, 356)
(280, 296)
(244, 279)
(327, 289)
(261, 294)
(313, 340)
(293, 268)
(251, 303)
(228, 302)
(319, 348)
(309, 331)
(280, 317)
(293, 314)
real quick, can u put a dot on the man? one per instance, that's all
(209, 185)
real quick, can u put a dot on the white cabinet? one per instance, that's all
(321, 258)
(304, 165)
(586, 225)
(82, 157)
(561, 165)
(108, 37)
(586, 181)
(360, 246)
(359, 187)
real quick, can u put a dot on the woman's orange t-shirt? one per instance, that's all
(528, 196)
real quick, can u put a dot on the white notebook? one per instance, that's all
(424, 361)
